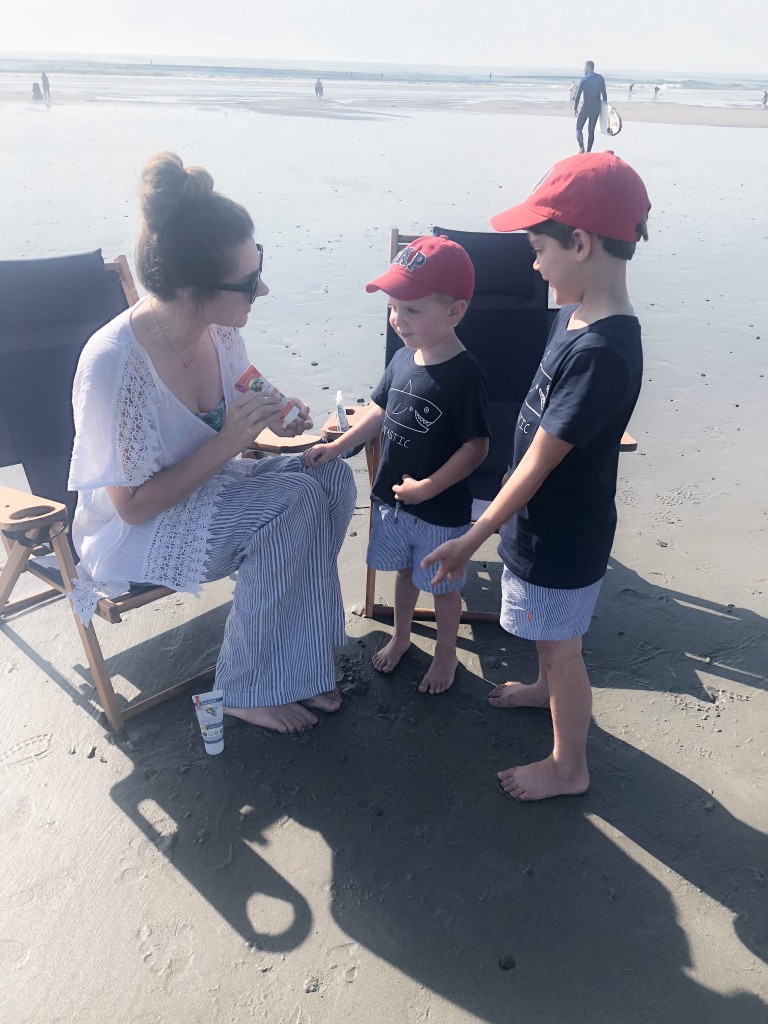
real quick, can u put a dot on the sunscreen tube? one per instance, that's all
(252, 380)
(210, 714)
(341, 413)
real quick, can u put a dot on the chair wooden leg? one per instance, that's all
(372, 456)
(370, 592)
(90, 641)
(15, 564)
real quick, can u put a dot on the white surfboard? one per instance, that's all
(610, 119)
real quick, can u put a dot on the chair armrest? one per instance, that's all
(21, 511)
(269, 443)
(330, 429)
(628, 443)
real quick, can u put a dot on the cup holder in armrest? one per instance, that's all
(33, 512)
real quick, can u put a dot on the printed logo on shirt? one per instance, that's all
(411, 412)
(536, 399)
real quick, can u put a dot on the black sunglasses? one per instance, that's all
(249, 287)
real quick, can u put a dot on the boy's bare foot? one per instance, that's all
(284, 718)
(387, 658)
(329, 701)
(519, 695)
(543, 779)
(441, 673)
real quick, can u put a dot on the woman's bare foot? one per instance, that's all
(387, 658)
(543, 779)
(284, 718)
(519, 695)
(441, 673)
(329, 701)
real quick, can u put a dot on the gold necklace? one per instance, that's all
(184, 362)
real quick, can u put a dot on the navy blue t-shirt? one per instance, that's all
(431, 411)
(584, 392)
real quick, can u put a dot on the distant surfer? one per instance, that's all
(591, 91)
(319, 89)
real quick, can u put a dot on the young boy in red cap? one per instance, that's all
(556, 512)
(430, 407)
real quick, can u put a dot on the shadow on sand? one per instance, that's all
(508, 910)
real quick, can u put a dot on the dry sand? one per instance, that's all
(371, 871)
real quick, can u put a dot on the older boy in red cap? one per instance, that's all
(556, 512)
(431, 410)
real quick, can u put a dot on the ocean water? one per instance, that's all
(205, 81)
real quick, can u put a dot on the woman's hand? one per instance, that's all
(248, 414)
(299, 425)
(320, 454)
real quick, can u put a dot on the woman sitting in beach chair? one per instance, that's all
(162, 496)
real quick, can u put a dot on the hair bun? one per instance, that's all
(198, 183)
(166, 185)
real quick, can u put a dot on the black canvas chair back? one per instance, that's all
(505, 328)
(48, 310)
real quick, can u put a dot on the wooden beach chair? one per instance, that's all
(48, 310)
(505, 328)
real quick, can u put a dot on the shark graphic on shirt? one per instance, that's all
(411, 412)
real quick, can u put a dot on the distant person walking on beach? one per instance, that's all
(765, 99)
(591, 91)
(656, 92)
(319, 89)
(584, 219)
(430, 409)
(630, 91)
(46, 87)
(572, 93)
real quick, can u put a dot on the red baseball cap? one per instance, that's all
(596, 192)
(430, 264)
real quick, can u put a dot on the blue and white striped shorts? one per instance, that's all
(399, 541)
(545, 613)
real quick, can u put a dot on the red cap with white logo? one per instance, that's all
(430, 264)
(597, 192)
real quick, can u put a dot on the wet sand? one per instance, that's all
(371, 870)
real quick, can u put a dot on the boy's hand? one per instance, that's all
(410, 491)
(452, 556)
(320, 454)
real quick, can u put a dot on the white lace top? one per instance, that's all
(128, 425)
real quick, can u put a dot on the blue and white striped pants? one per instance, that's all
(281, 528)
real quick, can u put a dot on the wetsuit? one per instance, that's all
(591, 90)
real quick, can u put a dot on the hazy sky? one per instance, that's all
(653, 35)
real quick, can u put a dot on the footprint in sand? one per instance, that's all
(343, 960)
(170, 960)
(26, 752)
(679, 496)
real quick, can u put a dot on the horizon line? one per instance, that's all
(311, 62)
